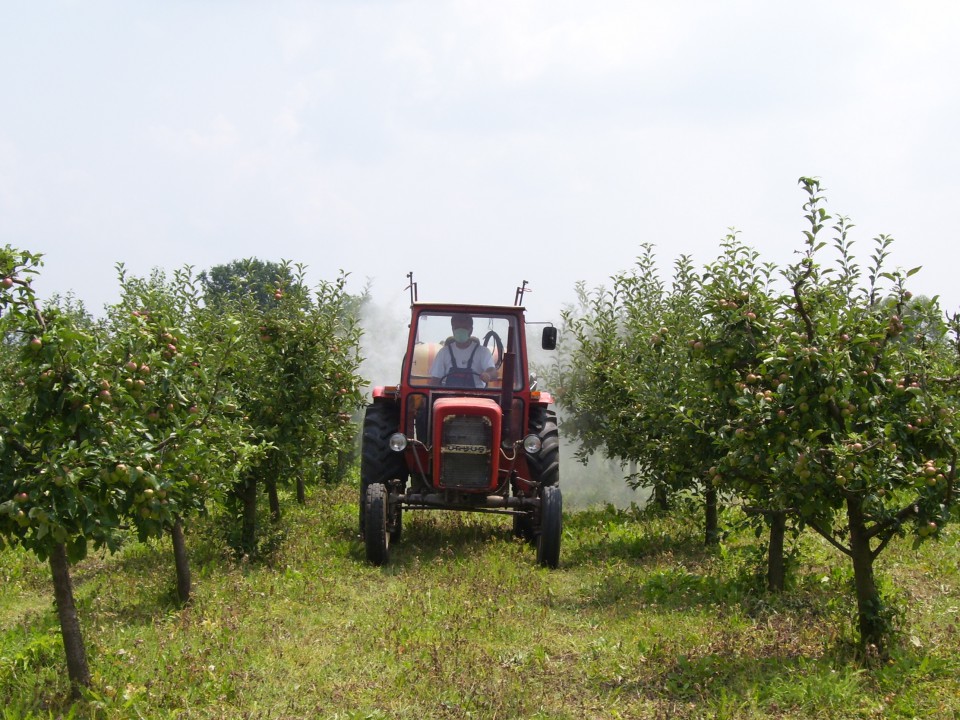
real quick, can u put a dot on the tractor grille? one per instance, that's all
(466, 452)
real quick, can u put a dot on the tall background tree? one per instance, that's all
(296, 379)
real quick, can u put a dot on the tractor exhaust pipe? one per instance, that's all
(506, 394)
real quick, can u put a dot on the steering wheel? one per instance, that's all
(497, 344)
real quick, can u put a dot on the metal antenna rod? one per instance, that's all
(412, 287)
(518, 298)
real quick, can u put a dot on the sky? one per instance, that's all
(476, 143)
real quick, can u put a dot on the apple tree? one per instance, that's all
(631, 386)
(853, 410)
(174, 356)
(739, 305)
(61, 436)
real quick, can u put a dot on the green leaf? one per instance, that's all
(77, 549)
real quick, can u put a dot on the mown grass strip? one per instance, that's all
(640, 621)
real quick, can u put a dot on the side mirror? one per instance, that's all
(548, 341)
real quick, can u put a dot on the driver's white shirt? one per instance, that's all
(482, 360)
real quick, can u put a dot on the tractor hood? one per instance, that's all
(466, 443)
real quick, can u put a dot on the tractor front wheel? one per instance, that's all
(551, 527)
(523, 527)
(376, 534)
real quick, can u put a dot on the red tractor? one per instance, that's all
(466, 429)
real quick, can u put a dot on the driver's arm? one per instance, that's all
(438, 370)
(486, 361)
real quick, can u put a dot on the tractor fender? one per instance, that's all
(385, 392)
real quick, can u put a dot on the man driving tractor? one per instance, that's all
(463, 362)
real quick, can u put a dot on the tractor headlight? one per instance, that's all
(532, 444)
(397, 442)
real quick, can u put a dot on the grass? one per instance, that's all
(640, 621)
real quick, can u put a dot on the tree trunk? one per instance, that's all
(76, 653)
(301, 491)
(661, 497)
(181, 561)
(776, 568)
(712, 525)
(873, 629)
(274, 500)
(248, 531)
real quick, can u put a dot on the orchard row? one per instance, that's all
(820, 395)
(191, 391)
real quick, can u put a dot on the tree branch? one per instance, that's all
(884, 525)
(829, 538)
(801, 308)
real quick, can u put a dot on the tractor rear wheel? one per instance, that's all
(551, 527)
(545, 465)
(376, 536)
(378, 463)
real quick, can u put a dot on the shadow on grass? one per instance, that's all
(589, 537)
(725, 679)
(662, 592)
(430, 535)
(611, 534)
(718, 680)
(133, 589)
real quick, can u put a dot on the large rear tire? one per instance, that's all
(545, 465)
(376, 536)
(378, 463)
(551, 527)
